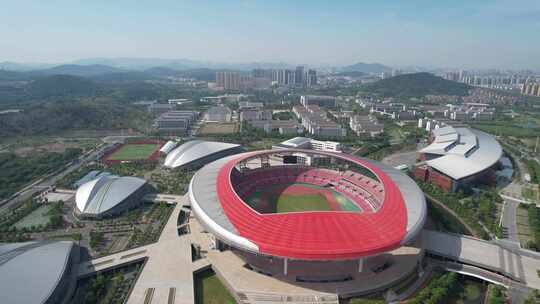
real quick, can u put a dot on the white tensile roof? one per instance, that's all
(105, 192)
(297, 142)
(464, 152)
(30, 272)
(167, 147)
(194, 150)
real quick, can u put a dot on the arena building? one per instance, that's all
(197, 153)
(458, 158)
(109, 195)
(38, 272)
(343, 220)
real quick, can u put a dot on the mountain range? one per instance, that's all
(369, 68)
(96, 66)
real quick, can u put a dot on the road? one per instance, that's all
(508, 220)
(34, 188)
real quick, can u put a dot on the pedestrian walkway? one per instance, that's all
(167, 276)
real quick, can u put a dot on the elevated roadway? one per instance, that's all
(496, 262)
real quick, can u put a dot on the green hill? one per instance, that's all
(416, 85)
(55, 117)
(61, 86)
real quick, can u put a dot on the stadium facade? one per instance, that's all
(109, 195)
(38, 272)
(458, 158)
(371, 222)
(197, 153)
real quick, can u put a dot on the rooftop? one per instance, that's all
(105, 192)
(194, 150)
(31, 271)
(463, 152)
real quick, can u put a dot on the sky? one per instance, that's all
(429, 33)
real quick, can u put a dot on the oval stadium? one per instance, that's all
(311, 216)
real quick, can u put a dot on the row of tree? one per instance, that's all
(16, 171)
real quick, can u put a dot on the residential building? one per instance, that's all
(299, 76)
(321, 101)
(311, 78)
(255, 114)
(366, 125)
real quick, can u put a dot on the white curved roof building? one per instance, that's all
(459, 158)
(108, 195)
(37, 272)
(462, 152)
(198, 153)
(167, 147)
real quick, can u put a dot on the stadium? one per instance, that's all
(135, 151)
(109, 195)
(308, 216)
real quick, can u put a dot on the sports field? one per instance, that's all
(299, 197)
(134, 152)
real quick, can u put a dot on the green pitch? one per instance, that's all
(299, 203)
(133, 152)
(282, 203)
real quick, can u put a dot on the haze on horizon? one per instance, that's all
(461, 34)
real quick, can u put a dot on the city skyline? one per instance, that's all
(479, 35)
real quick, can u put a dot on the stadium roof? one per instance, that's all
(310, 235)
(167, 147)
(194, 150)
(30, 272)
(464, 152)
(105, 192)
(297, 142)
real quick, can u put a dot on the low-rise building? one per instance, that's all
(160, 108)
(175, 122)
(250, 105)
(284, 127)
(315, 122)
(310, 144)
(321, 101)
(252, 114)
(219, 114)
(366, 125)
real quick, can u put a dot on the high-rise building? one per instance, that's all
(228, 80)
(262, 73)
(299, 76)
(311, 78)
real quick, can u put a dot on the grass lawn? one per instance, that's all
(345, 203)
(530, 193)
(524, 232)
(299, 203)
(269, 200)
(133, 152)
(210, 290)
(37, 217)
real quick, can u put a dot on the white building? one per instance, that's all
(309, 144)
